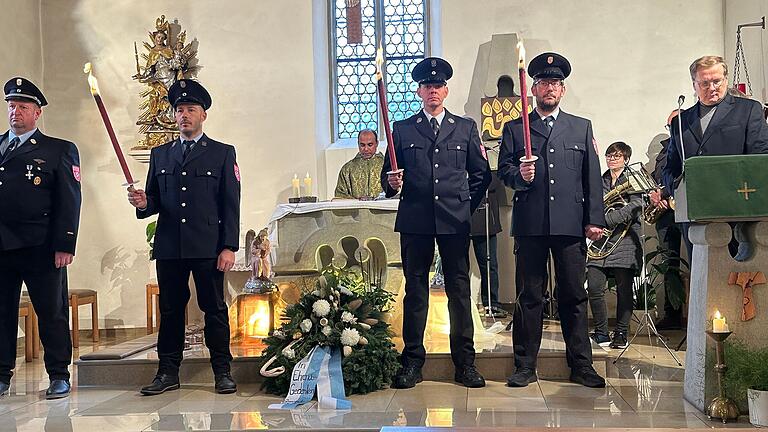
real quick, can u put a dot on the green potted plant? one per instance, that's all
(746, 379)
(662, 265)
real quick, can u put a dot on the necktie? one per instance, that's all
(187, 147)
(549, 121)
(435, 126)
(14, 142)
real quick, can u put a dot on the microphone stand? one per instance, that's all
(645, 322)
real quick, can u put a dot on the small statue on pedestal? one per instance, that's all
(261, 267)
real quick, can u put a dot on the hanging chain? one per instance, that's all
(740, 59)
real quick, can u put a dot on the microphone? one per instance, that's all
(680, 100)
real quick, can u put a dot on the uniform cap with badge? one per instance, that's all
(432, 70)
(549, 65)
(24, 89)
(190, 92)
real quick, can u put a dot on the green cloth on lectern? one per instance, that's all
(360, 178)
(727, 187)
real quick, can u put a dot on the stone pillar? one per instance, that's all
(710, 266)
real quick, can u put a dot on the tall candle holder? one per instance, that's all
(721, 406)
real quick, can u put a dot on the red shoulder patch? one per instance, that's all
(76, 172)
(237, 172)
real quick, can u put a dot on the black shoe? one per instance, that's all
(498, 312)
(619, 340)
(587, 377)
(600, 339)
(225, 384)
(4, 387)
(58, 389)
(469, 377)
(408, 377)
(161, 384)
(669, 323)
(522, 377)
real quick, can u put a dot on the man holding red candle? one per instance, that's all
(442, 179)
(40, 192)
(558, 202)
(194, 185)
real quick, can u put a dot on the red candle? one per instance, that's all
(524, 97)
(384, 110)
(110, 130)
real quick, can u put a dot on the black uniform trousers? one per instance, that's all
(34, 266)
(173, 281)
(417, 254)
(485, 248)
(569, 254)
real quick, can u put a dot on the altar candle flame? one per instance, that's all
(92, 82)
(717, 314)
(379, 62)
(521, 54)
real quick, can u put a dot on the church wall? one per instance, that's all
(754, 41)
(257, 59)
(22, 51)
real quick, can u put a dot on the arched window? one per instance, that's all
(400, 26)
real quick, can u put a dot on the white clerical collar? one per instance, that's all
(438, 117)
(554, 114)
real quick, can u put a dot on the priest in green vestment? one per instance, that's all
(359, 178)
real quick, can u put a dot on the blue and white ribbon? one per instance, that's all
(321, 368)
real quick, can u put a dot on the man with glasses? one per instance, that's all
(558, 203)
(719, 124)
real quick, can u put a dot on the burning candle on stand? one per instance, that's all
(307, 185)
(385, 111)
(296, 186)
(107, 124)
(718, 323)
(529, 157)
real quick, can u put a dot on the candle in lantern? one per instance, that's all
(307, 185)
(718, 323)
(524, 99)
(296, 185)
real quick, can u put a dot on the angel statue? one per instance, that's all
(167, 60)
(261, 267)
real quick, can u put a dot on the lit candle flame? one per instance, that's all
(717, 314)
(379, 62)
(87, 68)
(521, 54)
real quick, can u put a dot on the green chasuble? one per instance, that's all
(360, 178)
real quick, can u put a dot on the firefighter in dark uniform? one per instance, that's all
(558, 202)
(442, 177)
(194, 185)
(39, 217)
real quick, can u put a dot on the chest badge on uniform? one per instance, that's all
(37, 181)
(29, 174)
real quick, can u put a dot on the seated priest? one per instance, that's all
(359, 178)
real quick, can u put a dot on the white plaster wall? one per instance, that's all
(754, 40)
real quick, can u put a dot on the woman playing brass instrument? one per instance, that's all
(624, 260)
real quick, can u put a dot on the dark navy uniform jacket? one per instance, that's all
(198, 199)
(444, 179)
(737, 127)
(567, 191)
(40, 194)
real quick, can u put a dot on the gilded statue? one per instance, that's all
(167, 59)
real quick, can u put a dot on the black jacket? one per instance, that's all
(566, 193)
(40, 194)
(737, 127)
(444, 179)
(198, 200)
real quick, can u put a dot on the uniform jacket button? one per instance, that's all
(183, 173)
(183, 221)
(551, 198)
(437, 181)
(551, 165)
(437, 165)
(162, 171)
(183, 204)
(437, 197)
(551, 150)
(209, 173)
(183, 188)
(552, 181)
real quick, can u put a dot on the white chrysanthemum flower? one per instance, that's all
(306, 325)
(344, 290)
(321, 307)
(326, 330)
(289, 353)
(278, 334)
(347, 317)
(350, 337)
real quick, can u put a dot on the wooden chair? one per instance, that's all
(77, 298)
(30, 326)
(153, 308)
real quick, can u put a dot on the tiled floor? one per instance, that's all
(644, 391)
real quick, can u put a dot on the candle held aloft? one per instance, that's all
(384, 110)
(718, 323)
(524, 99)
(296, 184)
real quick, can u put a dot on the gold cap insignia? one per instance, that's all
(37, 181)
(18, 81)
(550, 59)
(182, 84)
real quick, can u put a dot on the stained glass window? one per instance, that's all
(398, 25)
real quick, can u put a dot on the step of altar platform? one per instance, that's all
(134, 363)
